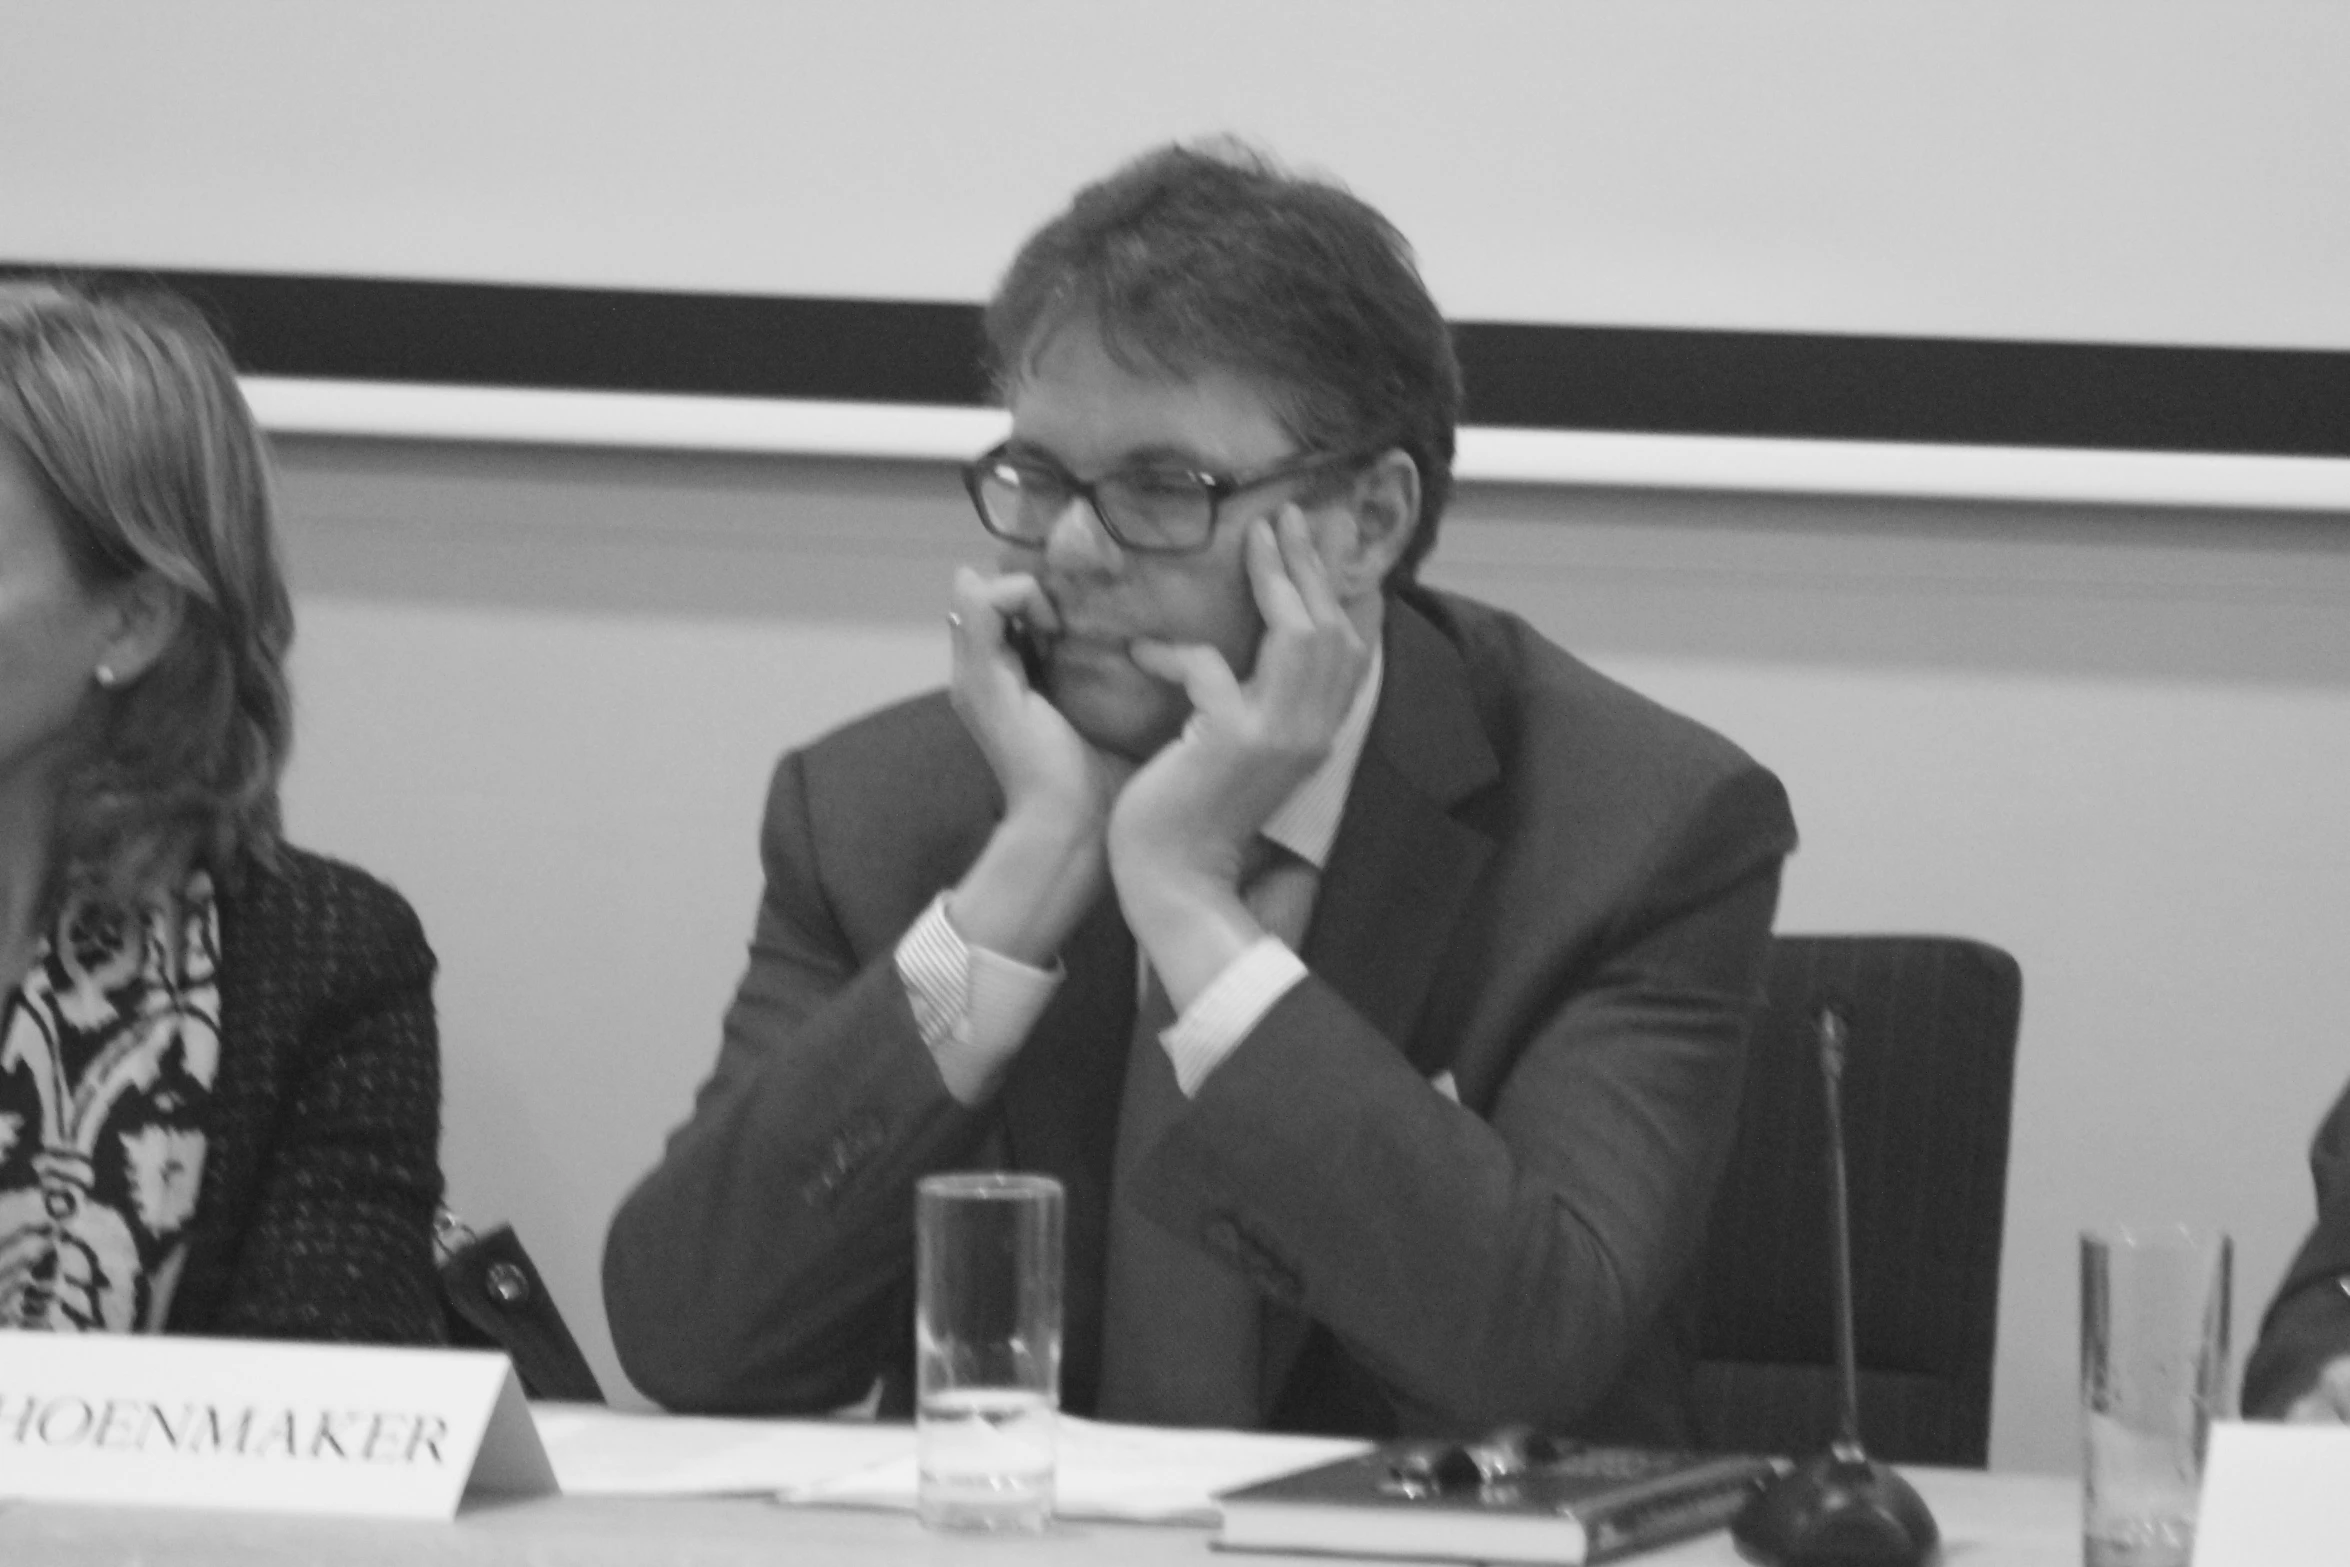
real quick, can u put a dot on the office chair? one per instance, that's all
(1927, 1086)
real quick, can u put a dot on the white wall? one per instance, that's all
(2084, 169)
(541, 691)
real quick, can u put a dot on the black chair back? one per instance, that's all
(1928, 1080)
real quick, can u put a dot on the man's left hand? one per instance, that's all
(1183, 824)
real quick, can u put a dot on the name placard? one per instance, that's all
(234, 1423)
(2272, 1496)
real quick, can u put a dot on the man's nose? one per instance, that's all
(1077, 540)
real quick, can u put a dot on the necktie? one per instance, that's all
(1182, 1331)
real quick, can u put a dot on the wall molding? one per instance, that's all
(937, 434)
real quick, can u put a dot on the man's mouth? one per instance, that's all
(1092, 634)
(1088, 648)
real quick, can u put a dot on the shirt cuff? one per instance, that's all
(1233, 1003)
(974, 1007)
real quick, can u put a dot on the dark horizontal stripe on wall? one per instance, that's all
(589, 339)
(1794, 385)
(1964, 391)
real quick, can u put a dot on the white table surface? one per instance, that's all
(1986, 1520)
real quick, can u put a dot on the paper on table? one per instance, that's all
(2272, 1497)
(599, 1451)
(1135, 1474)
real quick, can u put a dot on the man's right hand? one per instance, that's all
(1046, 863)
(2328, 1402)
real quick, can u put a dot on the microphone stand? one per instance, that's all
(1839, 1508)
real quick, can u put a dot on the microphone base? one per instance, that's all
(1838, 1510)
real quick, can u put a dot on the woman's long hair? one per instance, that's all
(128, 411)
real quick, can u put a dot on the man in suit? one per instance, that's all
(1375, 976)
(2300, 1369)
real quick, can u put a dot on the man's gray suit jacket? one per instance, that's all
(1545, 888)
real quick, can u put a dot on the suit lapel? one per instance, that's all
(1400, 872)
(1403, 864)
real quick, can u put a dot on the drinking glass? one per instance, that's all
(987, 1349)
(2154, 1354)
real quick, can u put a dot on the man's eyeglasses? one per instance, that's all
(1150, 510)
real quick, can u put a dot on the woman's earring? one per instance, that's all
(107, 677)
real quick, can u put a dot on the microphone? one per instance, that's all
(1839, 1508)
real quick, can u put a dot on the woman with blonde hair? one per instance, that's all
(219, 1070)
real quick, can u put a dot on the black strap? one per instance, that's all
(496, 1300)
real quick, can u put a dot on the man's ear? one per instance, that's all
(146, 612)
(1385, 510)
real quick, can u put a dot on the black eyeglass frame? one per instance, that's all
(1219, 487)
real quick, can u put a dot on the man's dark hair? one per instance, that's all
(1193, 258)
